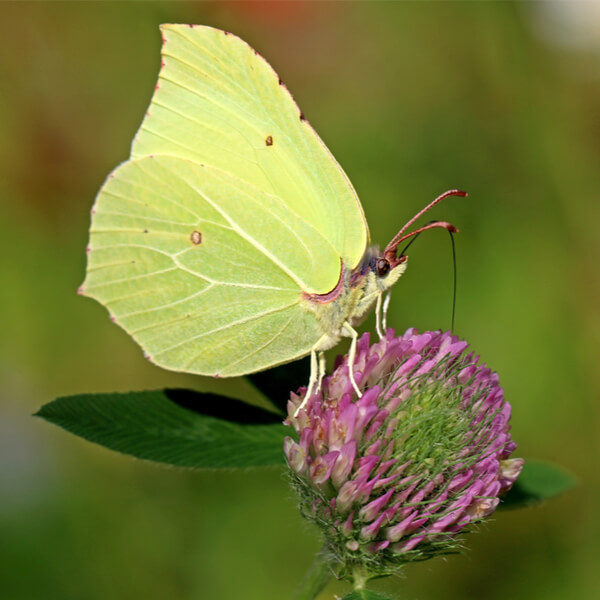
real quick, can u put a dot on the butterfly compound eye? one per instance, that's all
(382, 267)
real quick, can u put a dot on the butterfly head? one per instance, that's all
(388, 266)
(383, 270)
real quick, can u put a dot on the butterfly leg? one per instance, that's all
(386, 303)
(315, 376)
(322, 367)
(378, 315)
(352, 333)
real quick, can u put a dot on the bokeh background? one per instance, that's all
(501, 99)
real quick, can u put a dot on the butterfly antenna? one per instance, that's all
(400, 236)
(454, 279)
(454, 267)
(428, 208)
(414, 238)
(390, 252)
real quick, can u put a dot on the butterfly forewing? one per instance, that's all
(218, 102)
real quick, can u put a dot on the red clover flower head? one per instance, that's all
(393, 476)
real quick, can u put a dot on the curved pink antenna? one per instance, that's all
(390, 250)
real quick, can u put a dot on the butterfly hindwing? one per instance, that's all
(186, 259)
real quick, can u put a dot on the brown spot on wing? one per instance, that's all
(196, 238)
(269, 140)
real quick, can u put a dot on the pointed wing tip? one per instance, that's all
(168, 27)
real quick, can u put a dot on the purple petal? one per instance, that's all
(344, 464)
(370, 511)
(321, 468)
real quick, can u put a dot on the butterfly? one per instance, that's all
(231, 241)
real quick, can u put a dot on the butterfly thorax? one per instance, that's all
(354, 296)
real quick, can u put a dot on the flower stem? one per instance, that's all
(359, 578)
(316, 578)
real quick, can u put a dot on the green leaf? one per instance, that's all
(365, 595)
(176, 427)
(538, 481)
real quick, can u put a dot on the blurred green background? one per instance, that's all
(500, 99)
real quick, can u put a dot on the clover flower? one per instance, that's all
(395, 475)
